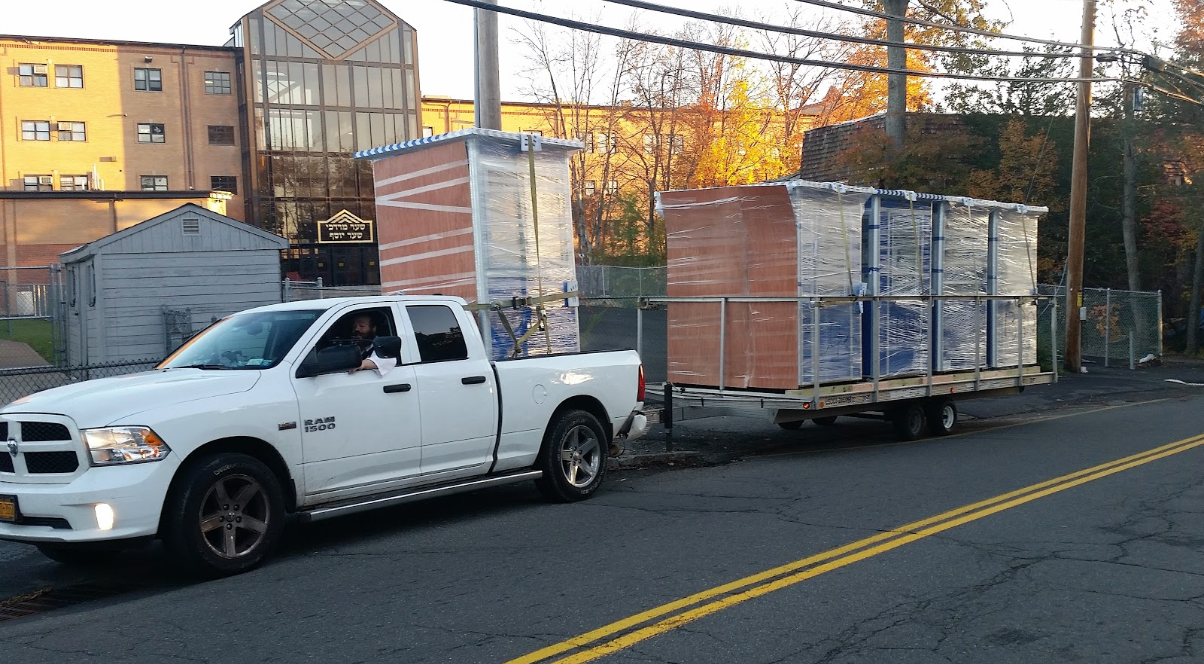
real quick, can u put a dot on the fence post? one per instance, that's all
(284, 289)
(1132, 358)
(1107, 324)
(639, 330)
(1159, 322)
(321, 296)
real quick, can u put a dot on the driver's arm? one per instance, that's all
(382, 365)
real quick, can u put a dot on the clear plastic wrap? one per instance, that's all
(455, 217)
(508, 264)
(904, 268)
(829, 263)
(963, 271)
(1016, 275)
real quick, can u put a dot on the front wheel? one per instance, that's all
(573, 457)
(226, 515)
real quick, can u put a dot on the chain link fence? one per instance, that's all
(32, 316)
(1121, 328)
(20, 382)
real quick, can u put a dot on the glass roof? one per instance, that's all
(335, 26)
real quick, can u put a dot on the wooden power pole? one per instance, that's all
(1078, 195)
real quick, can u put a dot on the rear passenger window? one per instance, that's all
(438, 332)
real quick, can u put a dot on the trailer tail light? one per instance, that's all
(640, 392)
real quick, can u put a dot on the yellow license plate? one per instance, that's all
(8, 509)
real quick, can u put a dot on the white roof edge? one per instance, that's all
(394, 148)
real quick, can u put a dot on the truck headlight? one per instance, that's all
(116, 445)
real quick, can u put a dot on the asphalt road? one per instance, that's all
(1096, 567)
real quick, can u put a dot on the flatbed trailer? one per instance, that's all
(912, 404)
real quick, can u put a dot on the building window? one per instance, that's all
(33, 76)
(217, 82)
(588, 140)
(679, 144)
(150, 133)
(72, 131)
(590, 187)
(73, 182)
(427, 132)
(651, 143)
(38, 183)
(148, 80)
(606, 143)
(68, 76)
(226, 183)
(154, 183)
(35, 130)
(221, 135)
(612, 187)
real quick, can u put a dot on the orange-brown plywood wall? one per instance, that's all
(425, 223)
(732, 241)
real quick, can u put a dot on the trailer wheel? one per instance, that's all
(792, 426)
(908, 421)
(825, 421)
(942, 417)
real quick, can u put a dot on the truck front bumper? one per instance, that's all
(68, 512)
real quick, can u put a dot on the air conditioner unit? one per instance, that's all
(65, 126)
(46, 179)
(40, 69)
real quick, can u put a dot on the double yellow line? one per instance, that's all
(595, 644)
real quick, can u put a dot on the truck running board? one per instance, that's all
(343, 508)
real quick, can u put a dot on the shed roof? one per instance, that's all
(271, 241)
(492, 134)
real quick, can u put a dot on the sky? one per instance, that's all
(445, 30)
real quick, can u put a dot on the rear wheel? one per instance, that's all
(908, 421)
(942, 417)
(573, 457)
(826, 421)
(226, 515)
(792, 426)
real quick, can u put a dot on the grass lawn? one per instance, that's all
(36, 333)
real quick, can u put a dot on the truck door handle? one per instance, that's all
(473, 380)
(394, 389)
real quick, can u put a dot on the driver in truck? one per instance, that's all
(363, 328)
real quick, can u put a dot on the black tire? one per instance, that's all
(225, 516)
(575, 444)
(77, 555)
(825, 421)
(908, 421)
(792, 426)
(942, 417)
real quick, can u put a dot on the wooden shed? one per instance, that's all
(455, 216)
(135, 294)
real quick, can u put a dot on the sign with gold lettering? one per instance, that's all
(345, 228)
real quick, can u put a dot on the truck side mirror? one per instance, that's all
(387, 347)
(334, 359)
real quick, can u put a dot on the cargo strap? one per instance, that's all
(915, 231)
(516, 303)
(539, 310)
(844, 234)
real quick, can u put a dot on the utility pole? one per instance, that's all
(488, 102)
(1078, 195)
(896, 86)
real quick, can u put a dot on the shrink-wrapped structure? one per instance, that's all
(455, 216)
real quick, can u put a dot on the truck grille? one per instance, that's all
(43, 431)
(43, 463)
(6, 463)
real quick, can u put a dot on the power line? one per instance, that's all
(756, 55)
(833, 36)
(954, 28)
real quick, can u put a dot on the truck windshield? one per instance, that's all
(244, 341)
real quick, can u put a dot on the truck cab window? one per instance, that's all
(438, 333)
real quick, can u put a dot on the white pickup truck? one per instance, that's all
(267, 415)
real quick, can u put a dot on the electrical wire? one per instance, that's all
(816, 34)
(958, 28)
(756, 55)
